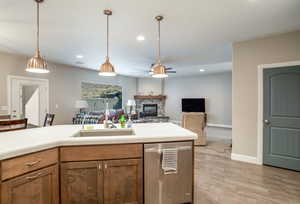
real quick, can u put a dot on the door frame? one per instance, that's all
(260, 111)
(9, 81)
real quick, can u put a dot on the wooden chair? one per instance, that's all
(11, 125)
(49, 119)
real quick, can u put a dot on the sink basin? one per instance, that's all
(106, 132)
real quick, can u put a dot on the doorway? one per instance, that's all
(28, 97)
(30, 104)
(280, 122)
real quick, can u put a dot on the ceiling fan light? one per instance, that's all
(160, 76)
(37, 64)
(159, 71)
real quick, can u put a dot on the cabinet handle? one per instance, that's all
(33, 177)
(99, 166)
(31, 164)
(105, 166)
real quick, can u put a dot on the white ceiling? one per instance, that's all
(195, 33)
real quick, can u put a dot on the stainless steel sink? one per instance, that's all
(106, 132)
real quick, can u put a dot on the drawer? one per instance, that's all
(40, 186)
(27, 163)
(101, 152)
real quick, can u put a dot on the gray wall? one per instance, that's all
(149, 85)
(216, 88)
(64, 84)
(247, 56)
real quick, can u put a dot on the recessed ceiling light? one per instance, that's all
(202, 70)
(140, 38)
(79, 56)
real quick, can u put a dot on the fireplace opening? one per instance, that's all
(150, 109)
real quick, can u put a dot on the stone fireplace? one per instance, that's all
(150, 105)
(150, 109)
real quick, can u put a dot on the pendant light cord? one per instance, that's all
(158, 41)
(38, 28)
(107, 36)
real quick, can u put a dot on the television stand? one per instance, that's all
(196, 122)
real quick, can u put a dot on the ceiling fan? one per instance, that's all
(169, 70)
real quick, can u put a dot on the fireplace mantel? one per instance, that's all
(160, 97)
(142, 100)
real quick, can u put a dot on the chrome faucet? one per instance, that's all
(84, 118)
(105, 122)
(112, 125)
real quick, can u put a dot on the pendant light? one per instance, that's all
(107, 69)
(37, 64)
(159, 70)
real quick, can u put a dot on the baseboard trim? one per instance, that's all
(177, 122)
(208, 124)
(244, 158)
(219, 125)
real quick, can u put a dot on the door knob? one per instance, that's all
(267, 122)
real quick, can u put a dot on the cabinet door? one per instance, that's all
(123, 181)
(39, 187)
(81, 183)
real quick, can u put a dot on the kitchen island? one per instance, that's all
(57, 165)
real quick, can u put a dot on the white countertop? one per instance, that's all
(26, 141)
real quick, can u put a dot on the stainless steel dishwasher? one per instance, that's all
(168, 173)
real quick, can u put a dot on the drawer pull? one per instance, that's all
(33, 177)
(31, 164)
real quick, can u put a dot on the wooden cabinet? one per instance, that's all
(99, 174)
(101, 152)
(123, 181)
(39, 187)
(28, 163)
(196, 123)
(82, 183)
(102, 182)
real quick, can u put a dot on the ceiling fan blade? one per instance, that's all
(172, 72)
(169, 68)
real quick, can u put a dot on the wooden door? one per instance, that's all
(123, 181)
(281, 140)
(82, 183)
(39, 187)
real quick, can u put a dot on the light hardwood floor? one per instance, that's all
(219, 180)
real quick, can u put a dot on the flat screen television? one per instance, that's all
(193, 104)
